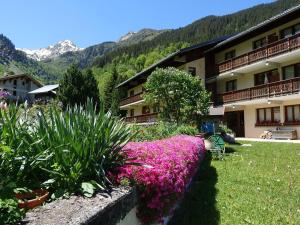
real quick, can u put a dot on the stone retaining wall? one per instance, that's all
(103, 209)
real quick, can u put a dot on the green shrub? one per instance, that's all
(162, 130)
(9, 211)
(224, 128)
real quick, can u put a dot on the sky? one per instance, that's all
(38, 23)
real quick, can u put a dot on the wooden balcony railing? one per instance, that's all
(274, 89)
(146, 118)
(270, 50)
(132, 99)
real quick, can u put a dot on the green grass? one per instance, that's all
(254, 185)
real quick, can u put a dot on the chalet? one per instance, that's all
(19, 86)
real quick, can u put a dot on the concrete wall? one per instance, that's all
(199, 64)
(252, 131)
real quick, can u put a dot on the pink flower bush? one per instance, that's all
(165, 169)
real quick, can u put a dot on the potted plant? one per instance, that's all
(31, 199)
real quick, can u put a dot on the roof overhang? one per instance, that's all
(45, 89)
(273, 22)
(175, 59)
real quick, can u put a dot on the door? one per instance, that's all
(235, 121)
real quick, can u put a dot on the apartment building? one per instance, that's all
(254, 77)
(190, 59)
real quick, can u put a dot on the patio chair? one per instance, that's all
(217, 146)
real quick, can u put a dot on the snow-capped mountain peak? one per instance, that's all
(51, 51)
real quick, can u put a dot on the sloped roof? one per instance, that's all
(45, 89)
(172, 56)
(15, 76)
(294, 10)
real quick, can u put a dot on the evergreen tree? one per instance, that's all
(111, 97)
(76, 87)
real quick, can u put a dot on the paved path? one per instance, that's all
(268, 140)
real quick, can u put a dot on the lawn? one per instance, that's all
(258, 184)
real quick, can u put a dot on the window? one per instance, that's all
(145, 110)
(14, 93)
(131, 93)
(131, 112)
(259, 43)
(290, 72)
(266, 77)
(192, 70)
(290, 31)
(15, 82)
(292, 114)
(229, 55)
(231, 85)
(268, 116)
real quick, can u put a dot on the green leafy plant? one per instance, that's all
(82, 144)
(224, 128)
(162, 130)
(181, 97)
(9, 210)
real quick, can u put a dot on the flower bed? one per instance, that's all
(166, 168)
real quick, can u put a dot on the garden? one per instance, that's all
(49, 153)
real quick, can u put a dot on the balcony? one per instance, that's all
(132, 99)
(146, 118)
(268, 51)
(275, 89)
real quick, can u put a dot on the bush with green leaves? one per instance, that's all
(10, 213)
(181, 97)
(162, 130)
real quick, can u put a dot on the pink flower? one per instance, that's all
(167, 168)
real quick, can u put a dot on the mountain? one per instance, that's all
(137, 37)
(14, 61)
(201, 30)
(52, 51)
(135, 51)
(84, 58)
(127, 36)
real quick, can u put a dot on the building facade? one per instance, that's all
(254, 76)
(190, 59)
(19, 86)
(257, 77)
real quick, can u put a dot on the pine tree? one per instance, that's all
(110, 94)
(76, 87)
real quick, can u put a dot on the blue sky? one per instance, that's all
(39, 23)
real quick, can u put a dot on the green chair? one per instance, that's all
(217, 145)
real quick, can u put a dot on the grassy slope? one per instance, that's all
(254, 185)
